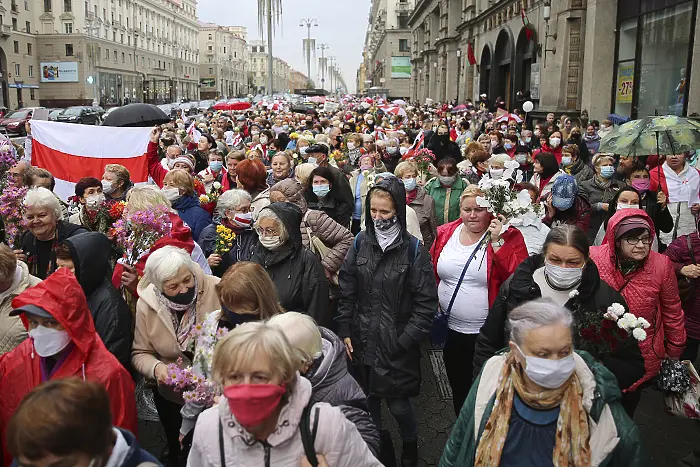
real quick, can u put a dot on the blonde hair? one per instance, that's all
(8, 263)
(250, 341)
(404, 167)
(303, 172)
(183, 180)
(302, 332)
(235, 155)
(141, 198)
(598, 158)
(120, 171)
(470, 191)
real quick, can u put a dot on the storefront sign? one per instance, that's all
(23, 86)
(535, 81)
(401, 67)
(625, 84)
(59, 72)
(207, 82)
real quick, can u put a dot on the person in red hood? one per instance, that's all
(647, 281)
(62, 343)
(554, 145)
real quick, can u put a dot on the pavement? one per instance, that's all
(666, 439)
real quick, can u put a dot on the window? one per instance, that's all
(104, 14)
(27, 26)
(68, 28)
(123, 58)
(122, 38)
(128, 39)
(16, 46)
(31, 93)
(26, 5)
(115, 55)
(14, 24)
(106, 54)
(114, 36)
(209, 48)
(67, 5)
(209, 36)
(403, 45)
(18, 69)
(29, 48)
(224, 49)
(211, 71)
(31, 71)
(48, 6)
(69, 50)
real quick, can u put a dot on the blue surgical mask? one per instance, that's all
(508, 145)
(409, 184)
(607, 171)
(321, 190)
(312, 160)
(216, 165)
(566, 161)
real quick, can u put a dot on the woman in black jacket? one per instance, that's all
(388, 300)
(654, 203)
(564, 273)
(322, 194)
(296, 272)
(441, 145)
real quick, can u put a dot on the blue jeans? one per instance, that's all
(402, 411)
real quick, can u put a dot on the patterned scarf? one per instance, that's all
(571, 440)
(184, 328)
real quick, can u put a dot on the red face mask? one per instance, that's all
(251, 404)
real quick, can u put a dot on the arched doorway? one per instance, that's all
(525, 56)
(485, 72)
(502, 67)
(4, 98)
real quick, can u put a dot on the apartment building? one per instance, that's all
(223, 52)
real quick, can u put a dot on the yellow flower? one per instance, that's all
(203, 199)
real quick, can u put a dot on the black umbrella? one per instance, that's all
(137, 115)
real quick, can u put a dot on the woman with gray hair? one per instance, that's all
(174, 296)
(542, 403)
(296, 272)
(266, 410)
(42, 214)
(233, 212)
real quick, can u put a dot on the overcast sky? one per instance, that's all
(342, 25)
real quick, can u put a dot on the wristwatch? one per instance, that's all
(498, 244)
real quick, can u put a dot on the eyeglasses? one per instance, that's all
(635, 241)
(266, 232)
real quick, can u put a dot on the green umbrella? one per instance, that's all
(662, 135)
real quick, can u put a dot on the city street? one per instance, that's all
(667, 439)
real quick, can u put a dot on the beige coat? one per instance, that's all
(154, 337)
(12, 331)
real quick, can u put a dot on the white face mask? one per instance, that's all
(550, 374)
(562, 278)
(627, 206)
(263, 140)
(172, 194)
(554, 142)
(302, 151)
(403, 150)
(94, 201)
(351, 146)
(496, 173)
(271, 243)
(107, 186)
(47, 341)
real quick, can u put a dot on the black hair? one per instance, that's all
(568, 235)
(549, 164)
(444, 163)
(326, 173)
(612, 206)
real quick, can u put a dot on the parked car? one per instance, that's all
(54, 113)
(205, 105)
(189, 108)
(14, 122)
(85, 115)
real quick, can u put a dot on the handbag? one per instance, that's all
(685, 404)
(439, 328)
(687, 285)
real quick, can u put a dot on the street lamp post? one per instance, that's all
(331, 72)
(323, 48)
(308, 22)
(90, 29)
(459, 71)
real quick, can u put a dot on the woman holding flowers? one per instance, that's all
(230, 239)
(542, 403)
(472, 257)
(647, 281)
(175, 296)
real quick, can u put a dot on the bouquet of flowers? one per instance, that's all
(11, 213)
(603, 334)
(423, 159)
(338, 159)
(212, 196)
(8, 159)
(501, 200)
(138, 231)
(224, 239)
(193, 388)
(98, 218)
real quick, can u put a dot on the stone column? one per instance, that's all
(694, 91)
(597, 70)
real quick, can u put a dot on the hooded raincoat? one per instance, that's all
(23, 369)
(112, 317)
(296, 272)
(651, 293)
(388, 301)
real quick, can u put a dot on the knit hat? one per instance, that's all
(564, 192)
(185, 159)
(631, 223)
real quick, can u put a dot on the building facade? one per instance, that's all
(625, 58)
(283, 75)
(19, 67)
(387, 48)
(223, 52)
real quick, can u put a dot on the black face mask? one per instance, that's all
(235, 319)
(182, 298)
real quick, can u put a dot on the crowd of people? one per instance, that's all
(306, 260)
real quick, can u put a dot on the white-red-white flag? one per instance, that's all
(71, 152)
(193, 133)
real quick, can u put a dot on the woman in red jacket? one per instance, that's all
(468, 295)
(647, 281)
(63, 344)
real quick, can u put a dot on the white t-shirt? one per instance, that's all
(560, 297)
(471, 306)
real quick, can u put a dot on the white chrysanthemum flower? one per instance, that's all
(643, 323)
(482, 202)
(523, 199)
(216, 185)
(511, 164)
(573, 293)
(617, 309)
(639, 334)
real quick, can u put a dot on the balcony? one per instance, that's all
(403, 9)
(14, 8)
(6, 30)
